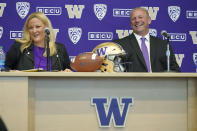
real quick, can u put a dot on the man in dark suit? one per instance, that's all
(154, 59)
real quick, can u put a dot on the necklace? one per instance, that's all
(38, 56)
(40, 61)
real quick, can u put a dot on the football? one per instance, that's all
(86, 62)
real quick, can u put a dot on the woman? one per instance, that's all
(30, 51)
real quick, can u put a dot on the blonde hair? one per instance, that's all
(26, 41)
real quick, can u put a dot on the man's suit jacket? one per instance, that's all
(15, 60)
(157, 54)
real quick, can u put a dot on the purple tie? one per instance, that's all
(145, 53)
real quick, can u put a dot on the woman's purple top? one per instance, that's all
(39, 60)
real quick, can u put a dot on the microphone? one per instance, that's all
(47, 31)
(164, 33)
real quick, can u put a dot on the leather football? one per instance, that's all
(86, 62)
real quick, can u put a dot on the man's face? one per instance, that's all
(140, 22)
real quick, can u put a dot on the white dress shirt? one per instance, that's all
(147, 42)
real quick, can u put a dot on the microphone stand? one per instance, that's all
(168, 55)
(48, 51)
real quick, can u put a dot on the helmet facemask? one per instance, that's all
(114, 57)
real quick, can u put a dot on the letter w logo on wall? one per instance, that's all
(74, 11)
(194, 36)
(113, 110)
(2, 6)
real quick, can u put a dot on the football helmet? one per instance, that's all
(112, 54)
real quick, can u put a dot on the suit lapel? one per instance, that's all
(152, 50)
(53, 60)
(29, 52)
(137, 50)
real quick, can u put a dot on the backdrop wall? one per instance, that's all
(83, 24)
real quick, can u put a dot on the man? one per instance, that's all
(147, 53)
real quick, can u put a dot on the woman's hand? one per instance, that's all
(14, 71)
(67, 70)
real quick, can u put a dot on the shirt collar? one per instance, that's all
(138, 37)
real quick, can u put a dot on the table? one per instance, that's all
(60, 101)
